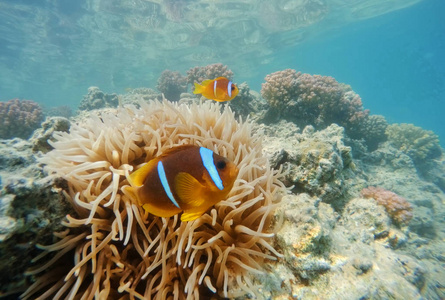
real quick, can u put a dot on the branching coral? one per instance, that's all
(372, 130)
(119, 250)
(397, 207)
(313, 100)
(172, 84)
(198, 74)
(19, 118)
(417, 143)
(280, 88)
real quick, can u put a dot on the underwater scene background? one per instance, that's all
(337, 133)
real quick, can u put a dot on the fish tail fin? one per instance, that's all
(198, 88)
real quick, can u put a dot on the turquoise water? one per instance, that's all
(390, 52)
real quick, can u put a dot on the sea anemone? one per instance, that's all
(115, 249)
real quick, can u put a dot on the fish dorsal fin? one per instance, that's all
(137, 178)
(207, 81)
(189, 189)
(220, 78)
(174, 150)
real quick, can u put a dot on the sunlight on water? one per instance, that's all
(67, 43)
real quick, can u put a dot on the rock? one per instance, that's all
(423, 222)
(318, 161)
(42, 135)
(96, 99)
(31, 209)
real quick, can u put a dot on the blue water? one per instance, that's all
(51, 52)
(395, 62)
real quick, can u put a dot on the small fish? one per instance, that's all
(185, 178)
(220, 89)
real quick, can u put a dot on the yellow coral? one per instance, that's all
(416, 142)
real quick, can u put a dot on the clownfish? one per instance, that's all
(188, 179)
(220, 89)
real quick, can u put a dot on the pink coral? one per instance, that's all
(280, 87)
(198, 74)
(19, 118)
(397, 207)
(172, 84)
(313, 100)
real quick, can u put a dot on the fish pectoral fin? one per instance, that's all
(189, 189)
(190, 216)
(132, 193)
(137, 178)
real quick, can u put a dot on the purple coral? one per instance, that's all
(198, 74)
(280, 88)
(172, 84)
(313, 99)
(19, 118)
(397, 207)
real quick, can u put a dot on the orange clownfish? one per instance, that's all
(220, 89)
(188, 179)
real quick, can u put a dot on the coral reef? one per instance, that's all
(305, 245)
(318, 161)
(198, 74)
(172, 84)
(248, 103)
(116, 249)
(42, 135)
(346, 255)
(372, 130)
(417, 143)
(312, 100)
(397, 207)
(96, 99)
(30, 211)
(19, 118)
(332, 243)
(280, 88)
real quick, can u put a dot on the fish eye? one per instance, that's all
(233, 87)
(221, 164)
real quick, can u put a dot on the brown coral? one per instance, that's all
(397, 207)
(118, 250)
(19, 118)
